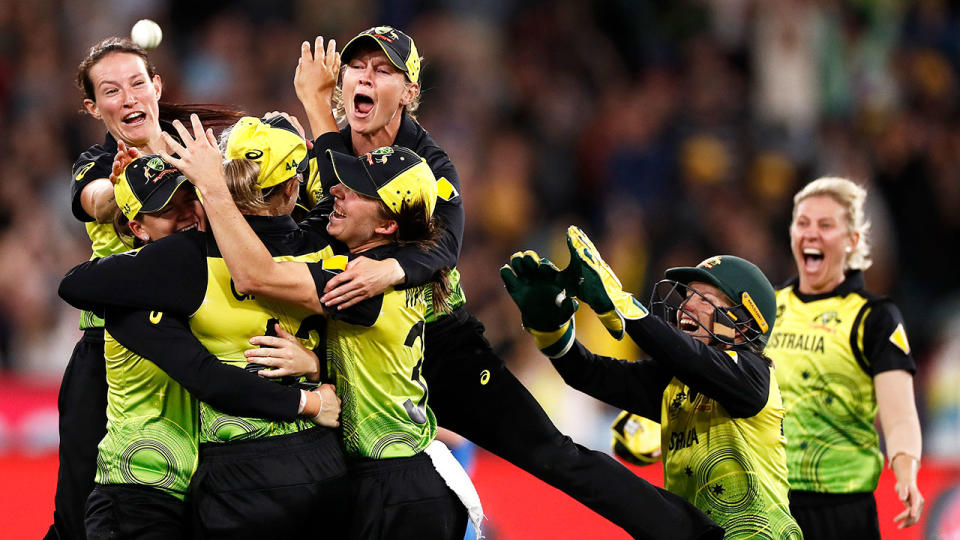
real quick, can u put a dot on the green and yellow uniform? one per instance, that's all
(152, 425)
(721, 422)
(827, 349)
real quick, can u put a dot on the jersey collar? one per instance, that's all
(853, 282)
(272, 224)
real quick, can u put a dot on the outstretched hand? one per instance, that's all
(534, 285)
(200, 159)
(124, 157)
(317, 72)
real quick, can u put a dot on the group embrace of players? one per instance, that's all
(171, 428)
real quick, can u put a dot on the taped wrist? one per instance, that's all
(557, 342)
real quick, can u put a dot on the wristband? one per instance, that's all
(303, 402)
(556, 343)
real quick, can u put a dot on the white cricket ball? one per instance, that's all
(146, 34)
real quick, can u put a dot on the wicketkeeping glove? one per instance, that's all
(597, 285)
(545, 309)
(636, 439)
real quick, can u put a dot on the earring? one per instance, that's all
(847, 249)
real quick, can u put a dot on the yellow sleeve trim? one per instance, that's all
(899, 338)
(445, 189)
(337, 262)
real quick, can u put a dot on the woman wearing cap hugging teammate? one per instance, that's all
(121, 88)
(843, 357)
(379, 91)
(255, 477)
(707, 381)
(149, 454)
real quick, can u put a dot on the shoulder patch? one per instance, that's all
(335, 263)
(899, 338)
(733, 355)
(445, 189)
(83, 170)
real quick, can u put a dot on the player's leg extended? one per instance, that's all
(473, 394)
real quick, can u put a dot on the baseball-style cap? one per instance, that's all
(398, 47)
(275, 144)
(740, 280)
(146, 185)
(392, 174)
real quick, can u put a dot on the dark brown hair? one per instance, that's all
(212, 115)
(415, 229)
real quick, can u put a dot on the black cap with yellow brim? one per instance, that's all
(274, 144)
(740, 280)
(146, 185)
(398, 47)
(392, 174)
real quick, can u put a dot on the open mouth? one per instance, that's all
(337, 214)
(688, 325)
(193, 226)
(812, 259)
(134, 118)
(362, 104)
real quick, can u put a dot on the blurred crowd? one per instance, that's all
(668, 130)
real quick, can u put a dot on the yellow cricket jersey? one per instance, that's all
(827, 349)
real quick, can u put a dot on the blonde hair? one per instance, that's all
(339, 108)
(851, 197)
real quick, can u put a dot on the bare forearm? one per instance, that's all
(320, 115)
(98, 200)
(898, 413)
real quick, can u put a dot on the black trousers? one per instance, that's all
(276, 487)
(473, 394)
(404, 499)
(131, 512)
(82, 403)
(836, 516)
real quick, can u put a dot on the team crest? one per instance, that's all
(155, 164)
(711, 262)
(828, 320)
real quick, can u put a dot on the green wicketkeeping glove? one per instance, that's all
(545, 309)
(597, 285)
(636, 439)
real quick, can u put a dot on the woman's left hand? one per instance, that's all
(200, 159)
(124, 157)
(284, 354)
(364, 278)
(905, 469)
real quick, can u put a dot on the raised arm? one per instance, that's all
(250, 264)
(315, 81)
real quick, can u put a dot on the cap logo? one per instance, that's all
(754, 311)
(155, 164)
(382, 32)
(383, 151)
(254, 154)
(164, 173)
(711, 262)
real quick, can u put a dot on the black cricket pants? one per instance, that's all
(82, 403)
(133, 512)
(404, 499)
(474, 394)
(836, 516)
(283, 486)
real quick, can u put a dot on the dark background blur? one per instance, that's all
(670, 131)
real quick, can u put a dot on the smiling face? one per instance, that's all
(183, 213)
(696, 312)
(356, 220)
(820, 240)
(125, 98)
(374, 91)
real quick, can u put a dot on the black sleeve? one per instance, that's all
(635, 386)
(885, 344)
(363, 313)
(93, 164)
(419, 266)
(737, 379)
(167, 275)
(166, 340)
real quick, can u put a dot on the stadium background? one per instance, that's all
(669, 130)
